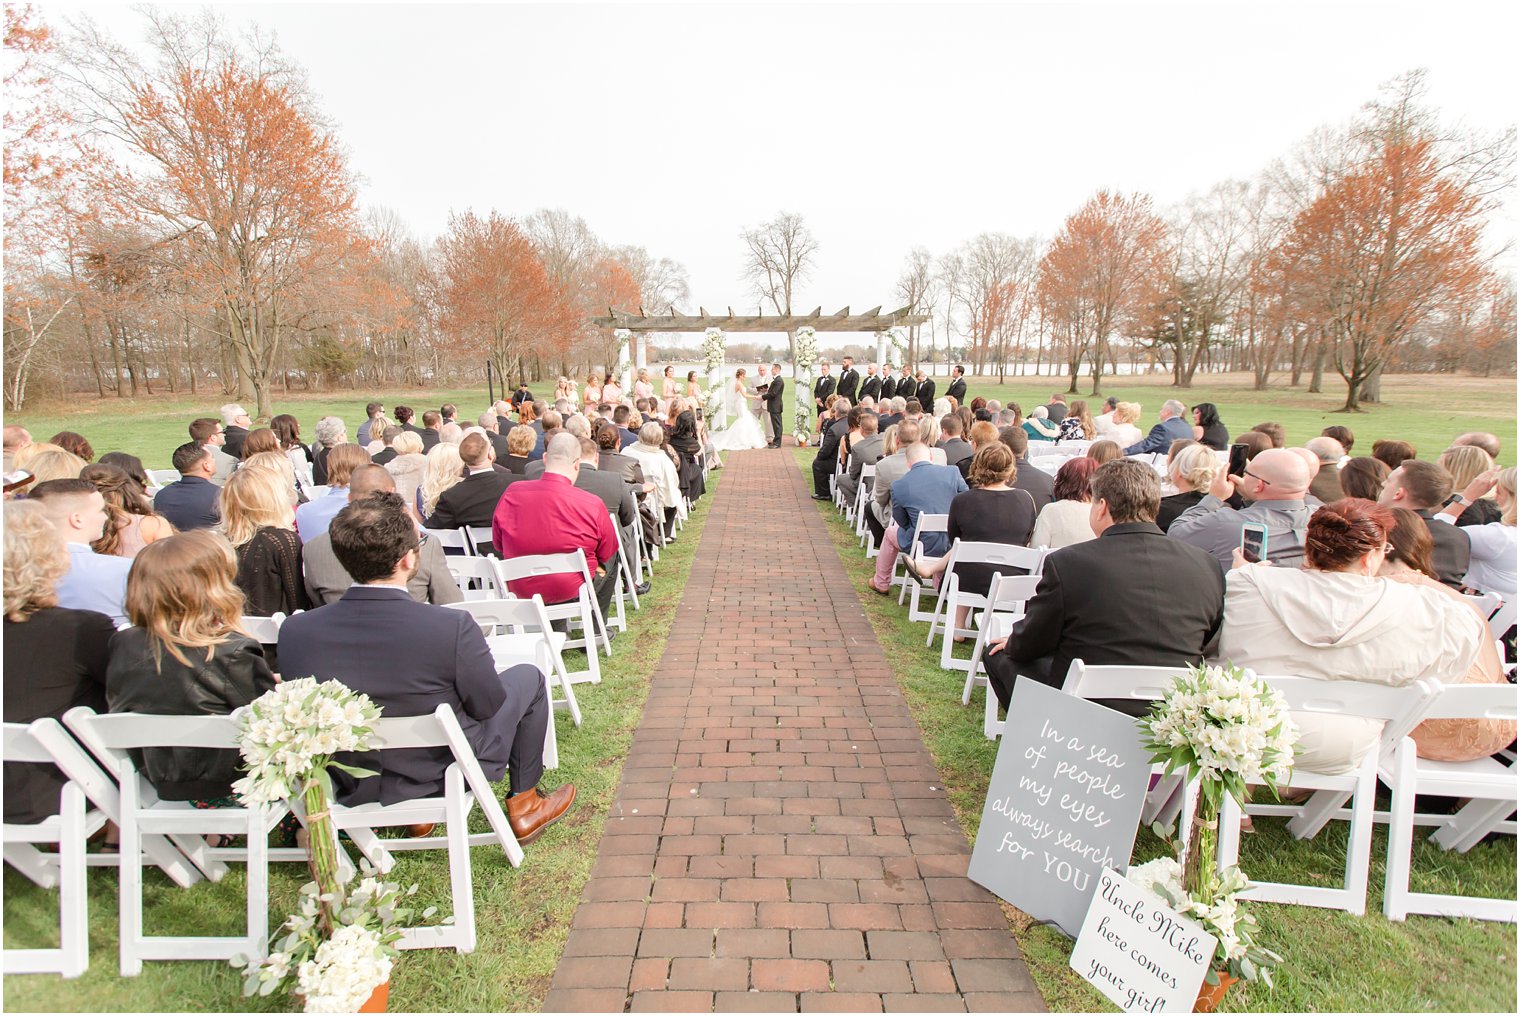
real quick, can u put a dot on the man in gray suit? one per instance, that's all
(889, 469)
(953, 443)
(210, 433)
(864, 452)
(326, 579)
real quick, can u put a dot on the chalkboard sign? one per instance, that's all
(1140, 952)
(1064, 803)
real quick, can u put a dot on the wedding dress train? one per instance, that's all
(743, 431)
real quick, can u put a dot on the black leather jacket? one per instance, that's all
(235, 675)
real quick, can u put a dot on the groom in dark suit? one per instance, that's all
(772, 400)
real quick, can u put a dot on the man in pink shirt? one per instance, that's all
(551, 515)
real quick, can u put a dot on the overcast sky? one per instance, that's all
(673, 127)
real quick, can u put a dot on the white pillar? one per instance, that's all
(881, 347)
(641, 353)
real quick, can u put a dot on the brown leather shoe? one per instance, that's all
(532, 812)
(421, 829)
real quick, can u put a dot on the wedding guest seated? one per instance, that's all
(93, 581)
(553, 515)
(956, 448)
(1340, 434)
(236, 424)
(626, 426)
(1445, 740)
(1192, 471)
(1064, 521)
(609, 442)
(74, 444)
(191, 501)
(1104, 450)
(686, 442)
(472, 502)
(409, 658)
(432, 423)
(991, 511)
(1274, 431)
(520, 442)
(1125, 432)
(445, 469)
(1039, 428)
(1040, 484)
(1363, 478)
(660, 471)
(325, 579)
(313, 516)
(409, 465)
(1132, 596)
(1492, 565)
(49, 462)
(132, 524)
(185, 656)
(258, 519)
(1480, 439)
(1209, 429)
(450, 433)
(925, 489)
(372, 410)
(1104, 422)
(1424, 487)
(259, 441)
(330, 433)
(16, 437)
(55, 657)
(1273, 489)
(1326, 484)
(1335, 620)
(864, 451)
(833, 425)
(1393, 454)
(383, 449)
(1466, 463)
(1169, 427)
(1078, 424)
(131, 465)
(980, 434)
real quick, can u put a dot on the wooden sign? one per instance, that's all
(1140, 952)
(1063, 804)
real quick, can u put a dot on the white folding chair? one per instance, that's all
(465, 785)
(1006, 597)
(317, 490)
(626, 580)
(1489, 785)
(264, 630)
(583, 610)
(1394, 706)
(112, 738)
(927, 523)
(480, 539)
(477, 577)
(1005, 556)
(163, 477)
(863, 495)
(452, 539)
(63, 868)
(513, 626)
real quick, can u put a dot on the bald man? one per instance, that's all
(1326, 484)
(1477, 438)
(1274, 487)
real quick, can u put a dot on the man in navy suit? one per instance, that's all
(191, 501)
(1172, 427)
(957, 389)
(410, 657)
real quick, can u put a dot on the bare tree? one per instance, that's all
(916, 288)
(778, 256)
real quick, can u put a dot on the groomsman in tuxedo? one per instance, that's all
(849, 380)
(925, 392)
(957, 389)
(772, 400)
(822, 388)
(888, 382)
(870, 388)
(906, 386)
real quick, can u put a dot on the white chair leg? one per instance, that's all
(73, 893)
(1400, 835)
(258, 883)
(1467, 827)
(461, 880)
(1229, 829)
(32, 863)
(130, 883)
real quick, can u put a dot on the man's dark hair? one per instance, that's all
(914, 406)
(1111, 403)
(449, 410)
(204, 429)
(960, 368)
(431, 418)
(1426, 483)
(522, 382)
(950, 426)
(475, 450)
(1017, 440)
(853, 416)
(1131, 489)
(607, 435)
(371, 535)
(869, 422)
(371, 408)
(540, 407)
(187, 455)
(60, 488)
(775, 366)
(620, 416)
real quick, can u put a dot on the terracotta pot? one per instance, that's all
(1209, 996)
(381, 996)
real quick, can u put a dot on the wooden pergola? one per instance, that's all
(872, 320)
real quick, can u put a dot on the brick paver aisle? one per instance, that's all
(781, 841)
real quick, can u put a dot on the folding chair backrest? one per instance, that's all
(477, 572)
(932, 523)
(1472, 702)
(1010, 592)
(21, 746)
(451, 539)
(481, 540)
(1120, 681)
(1349, 698)
(163, 477)
(110, 736)
(264, 630)
(539, 565)
(505, 613)
(868, 471)
(1006, 555)
(1485, 603)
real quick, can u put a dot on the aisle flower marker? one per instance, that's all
(336, 951)
(1226, 729)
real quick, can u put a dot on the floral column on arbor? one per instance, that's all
(714, 347)
(807, 356)
(624, 375)
(897, 347)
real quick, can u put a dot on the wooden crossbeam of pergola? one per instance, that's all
(872, 320)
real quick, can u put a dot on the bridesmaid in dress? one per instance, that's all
(669, 389)
(642, 387)
(612, 392)
(593, 392)
(693, 390)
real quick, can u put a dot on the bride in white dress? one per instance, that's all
(743, 431)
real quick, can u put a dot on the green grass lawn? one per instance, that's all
(523, 915)
(1426, 410)
(1333, 961)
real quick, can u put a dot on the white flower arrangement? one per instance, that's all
(714, 349)
(806, 349)
(297, 727)
(1221, 915)
(897, 344)
(345, 971)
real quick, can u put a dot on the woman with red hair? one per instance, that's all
(1337, 620)
(1066, 519)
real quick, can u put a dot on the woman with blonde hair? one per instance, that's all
(643, 388)
(55, 657)
(1124, 432)
(1466, 463)
(49, 462)
(1078, 425)
(593, 393)
(565, 389)
(444, 469)
(186, 655)
(280, 464)
(1192, 471)
(258, 519)
(1104, 451)
(1492, 544)
(131, 524)
(521, 440)
(409, 467)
